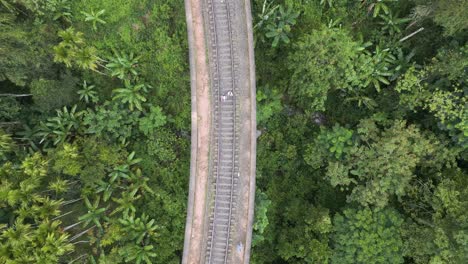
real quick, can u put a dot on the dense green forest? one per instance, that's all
(362, 109)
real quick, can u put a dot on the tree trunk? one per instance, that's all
(412, 34)
(80, 234)
(71, 201)
(9, 123)
(62, 215)
(81, 241)
(84, 255)
(71, 226)
(16, 95)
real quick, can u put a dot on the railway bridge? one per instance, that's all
(222, 170)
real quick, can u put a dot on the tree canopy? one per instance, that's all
(361, 112)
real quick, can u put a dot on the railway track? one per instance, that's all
(225, 163)
(222, 169)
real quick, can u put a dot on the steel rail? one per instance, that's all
(222, 168)
(219, 116)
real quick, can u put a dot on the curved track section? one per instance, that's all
(222, 177)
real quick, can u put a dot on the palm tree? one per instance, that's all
(138, 254)
(281, 27)
(107, 188)
(18, 234)
(94, 17)
(61, 126)
(50, 242)
(86, 58)
(64, 53)
(119, 172)
(123, 66)
(138, 229)
(392, 23)
(377, 6)
(95, 214)
(56, 244)
(131, 94)
(63, 10)
(70, 37)
(88, 93)
(59, 186)
(139, 183)
(131, 160)
(123, 171)
(125, 203)
(29, 135)
(6, 144)
(381, 62)
(402, 63)
(46, 208)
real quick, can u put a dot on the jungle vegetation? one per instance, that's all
(362, 109)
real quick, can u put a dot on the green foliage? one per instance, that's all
(367, 236)
(392, 23)
(440, 90)
(91, 157)
(67, 160)
(321, 62)
(9, 109)
(450, 109)
(297, 230)
(383, 164)
(154, 119)
(6, 144)
(133, 95)
(269, 104)
(124, 66)
(378, 6)
(451, 218)
(51, 94)
(262, 203)
(95, 213)
(138, 253)
(42, 9)
(413, 92)
(111, 121)
(94, 17)
(437, 233)
(279, 26)
(31, 235)
(330, 143)
(59, 186)
(97, 158)
(398, 102)
(307, 240)
(329, 3)
(451, 15)
(72, 50)
(15, 52)
(375, 69)
(337, 141)
(88, 94)
(44, 244)
(60, 128)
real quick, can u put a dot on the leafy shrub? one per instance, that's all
(52, 94)
(367, 236)
(9, 109)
